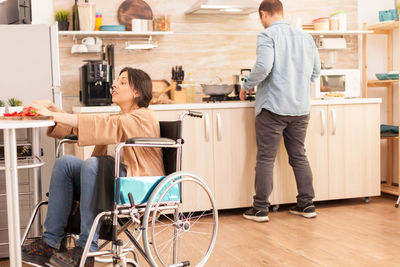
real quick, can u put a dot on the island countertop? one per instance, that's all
(221, 105)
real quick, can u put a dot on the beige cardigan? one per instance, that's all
(102, 130)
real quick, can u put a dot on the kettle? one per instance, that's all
(238, 79)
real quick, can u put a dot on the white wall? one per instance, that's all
(376, 62)
(42, 12)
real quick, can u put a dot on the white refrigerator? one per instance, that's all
(29, 70)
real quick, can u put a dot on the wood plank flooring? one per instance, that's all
(345, 233)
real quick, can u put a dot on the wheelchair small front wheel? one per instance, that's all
(183, 230)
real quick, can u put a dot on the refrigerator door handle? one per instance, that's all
(55, 55)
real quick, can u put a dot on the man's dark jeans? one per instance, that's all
(269, 129)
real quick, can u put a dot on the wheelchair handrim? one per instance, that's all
(189, 178)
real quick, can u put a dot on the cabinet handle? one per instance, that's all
(219, 124)
(207, 126)
(323, 122)
(333, 112)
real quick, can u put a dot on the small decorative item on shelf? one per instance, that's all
(62, 19)
(388, 15)
(341, 19)
(112, 28)
(99, 18)
(162, 23)
(75, 16)
(382, 76)
(87, 13)
(321, 24)
(307, 27)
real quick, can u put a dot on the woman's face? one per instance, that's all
(122, 92)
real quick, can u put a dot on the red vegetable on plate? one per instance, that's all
(28, 111)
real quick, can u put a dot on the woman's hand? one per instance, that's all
(43, 102)
(42, 110)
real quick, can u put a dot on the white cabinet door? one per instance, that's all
(197, 155)
(234, 157)
(316, 146)
(285, 189)
(354, 150)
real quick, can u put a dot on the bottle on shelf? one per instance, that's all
(75, 16)
(98, 22)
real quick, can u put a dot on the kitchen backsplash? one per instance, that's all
(203, 54)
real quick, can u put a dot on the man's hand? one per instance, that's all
(243, 94)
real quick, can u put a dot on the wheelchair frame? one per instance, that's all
(134, 212)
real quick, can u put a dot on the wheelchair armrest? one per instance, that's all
(150, 141)
(71, 137)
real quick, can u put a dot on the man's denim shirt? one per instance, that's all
(287, 63)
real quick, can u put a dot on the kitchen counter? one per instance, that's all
(221, 105)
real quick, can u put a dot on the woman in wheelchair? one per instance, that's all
(73, 178)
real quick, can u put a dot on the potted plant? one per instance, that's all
(2, 108)
(62, 19)
(14, 104)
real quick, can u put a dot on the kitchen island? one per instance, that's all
(342, 144)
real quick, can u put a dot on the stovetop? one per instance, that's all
(224, 98)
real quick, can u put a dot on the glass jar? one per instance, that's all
(342, 19)
(334, 23)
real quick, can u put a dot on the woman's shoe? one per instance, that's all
(70, 258)
(37, 252)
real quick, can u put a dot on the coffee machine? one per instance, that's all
(95, 83)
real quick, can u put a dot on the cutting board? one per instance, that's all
(27, 118)
(133, 9)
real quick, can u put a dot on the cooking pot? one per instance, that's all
(217, 89)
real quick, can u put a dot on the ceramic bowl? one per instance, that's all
(382, 76)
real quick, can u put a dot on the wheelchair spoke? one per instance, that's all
(165, 216)
(165, 228)
(202, 215)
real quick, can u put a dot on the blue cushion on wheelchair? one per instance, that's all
(141, 189)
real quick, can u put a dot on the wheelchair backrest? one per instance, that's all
(171, 130)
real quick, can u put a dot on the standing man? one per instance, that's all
(287, 63)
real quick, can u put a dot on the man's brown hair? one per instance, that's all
(271, 6)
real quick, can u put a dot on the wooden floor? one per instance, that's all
(345, 233)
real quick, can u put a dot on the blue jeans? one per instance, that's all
(71, 177)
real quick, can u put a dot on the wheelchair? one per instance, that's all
(154, 210)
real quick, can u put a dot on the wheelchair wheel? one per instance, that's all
(174, 235)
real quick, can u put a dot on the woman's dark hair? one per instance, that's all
(271, 6)
(140, 81)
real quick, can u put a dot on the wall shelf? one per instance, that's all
(111, 33)
(333, 33)
(380, 83)
(384, 26)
